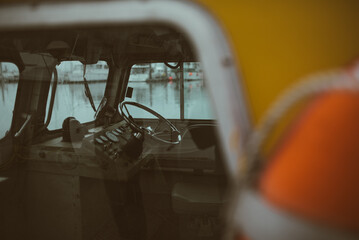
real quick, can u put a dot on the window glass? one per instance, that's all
(9, 77)
(158, 87)
(70, 98)
(197, 104)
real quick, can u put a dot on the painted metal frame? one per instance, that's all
(201, 28)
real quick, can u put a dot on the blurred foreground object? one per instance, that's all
(307, 189)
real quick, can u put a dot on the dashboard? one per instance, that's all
(107, 153)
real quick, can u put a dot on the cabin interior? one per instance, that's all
(116, 176)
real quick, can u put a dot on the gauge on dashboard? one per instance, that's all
(118, 130)
(99, 141)
(112, 137)
(104, 138)
(115, 133)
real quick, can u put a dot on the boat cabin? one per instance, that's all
(112, 135)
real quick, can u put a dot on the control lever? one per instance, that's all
(24, 125)
(134, 146)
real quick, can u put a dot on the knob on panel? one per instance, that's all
(104, 138)
(112, 137)
(99, 141)
(115, 133)
(119, 131)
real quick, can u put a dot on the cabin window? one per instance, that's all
(70, 98)
(197, 104)
(9, 77)
(158, 87)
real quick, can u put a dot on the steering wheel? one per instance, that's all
(175, 136)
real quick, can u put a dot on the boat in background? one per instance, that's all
(73, 72)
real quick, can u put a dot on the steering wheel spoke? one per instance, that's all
(173, 134)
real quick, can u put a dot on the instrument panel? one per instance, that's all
(109, 144)
(110, 153)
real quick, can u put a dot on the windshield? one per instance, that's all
(170, 92)
(70, 97)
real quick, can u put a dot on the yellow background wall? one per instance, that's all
(276, 42)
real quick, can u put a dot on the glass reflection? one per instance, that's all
(158, 87)
(9, 76)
